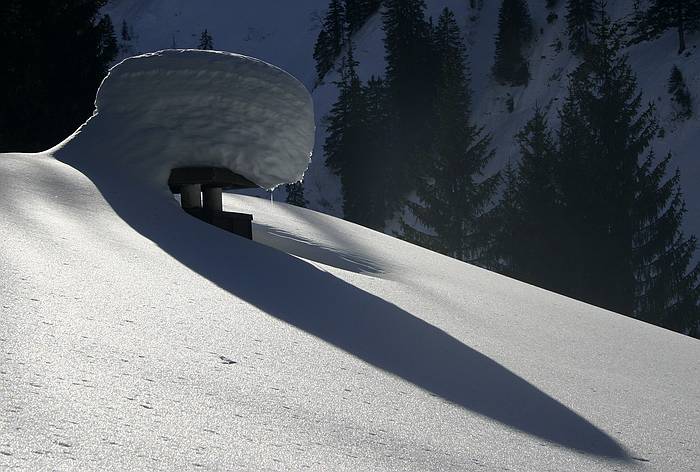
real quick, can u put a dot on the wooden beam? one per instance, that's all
(207, 177)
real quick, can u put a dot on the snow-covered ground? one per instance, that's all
(283, 33)
(135, 337)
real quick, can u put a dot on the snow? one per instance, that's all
(136, 337)
(178, 108)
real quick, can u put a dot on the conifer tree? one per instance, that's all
(453, 194)
(514, 33)
(623, 219)
(377, 174)
(344, 139)
(410, 92)
(125, 33)
(357, 12)
(579, 17)
(680, 94)
(683, 15)
(108, 46)
(330, 40)
(529, 211)
(206, 42)
(55, 54)
(667, 289)
(503, 223)
(295, 194)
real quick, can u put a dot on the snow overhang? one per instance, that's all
(183, 108)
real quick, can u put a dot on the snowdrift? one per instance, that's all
(137, 337)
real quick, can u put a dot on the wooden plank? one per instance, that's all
(207, 177)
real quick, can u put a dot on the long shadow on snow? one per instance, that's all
(351, 319)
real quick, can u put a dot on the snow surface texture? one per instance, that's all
(178, 108)
(283, 33)
(135, 337)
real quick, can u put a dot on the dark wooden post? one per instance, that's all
(191, 196)
(213, 200)
(192, 182)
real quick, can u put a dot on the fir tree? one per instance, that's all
(344, 136)
(125, 33)
(623, 220)
(377, 174)
(54, 63)
(529, 211)
(295, 194)
(680, 94)
(410, 92)
(453, 194)
(579, 16)
(503, 223)
(683, 15)
(357, 12)
(514, 33)
(206, 42)
(330, 40)
(127, 36)
(108, 46)
(667, 290)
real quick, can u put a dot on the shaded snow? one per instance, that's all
(177, 108)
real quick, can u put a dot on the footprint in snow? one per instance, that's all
(226, 360)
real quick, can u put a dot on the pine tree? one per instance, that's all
(667, 291)
(357, 12)
(377, 174)
(624, 236)
(503, 223)
(530, 215)
(410, 92)
(453, 194)
(330, 40)
(126, 35)
(53, 63)
(344, 137)
(683, 15)
(108, 46)
(514, 33)
(680, 94)
(206, 42)
(295, 194)
(579, 17)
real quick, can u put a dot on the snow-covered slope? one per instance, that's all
(283, 33)
(135, 337)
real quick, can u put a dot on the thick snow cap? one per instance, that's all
(182, 107)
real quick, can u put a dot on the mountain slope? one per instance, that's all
(137, 337)
(284, 35)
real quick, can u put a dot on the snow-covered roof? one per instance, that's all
(183, 107)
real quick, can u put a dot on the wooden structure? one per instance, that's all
(200, 190)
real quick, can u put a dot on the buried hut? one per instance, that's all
(199, 122)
